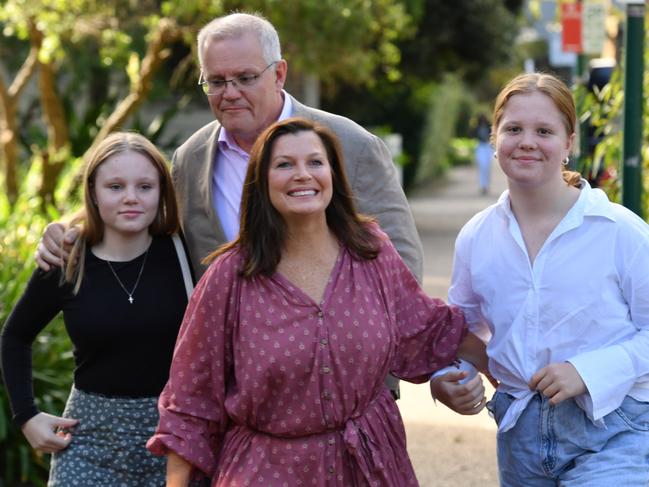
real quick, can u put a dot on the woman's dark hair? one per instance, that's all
(262, 230)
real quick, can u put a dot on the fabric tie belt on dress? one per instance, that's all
(364, 451)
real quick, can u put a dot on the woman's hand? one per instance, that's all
(41, 432)
(466, 398)
(558, 381)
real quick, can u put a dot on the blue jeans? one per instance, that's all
(558, 446)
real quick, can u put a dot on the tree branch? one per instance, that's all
(58, 135)
(29, 66)
(167, 31)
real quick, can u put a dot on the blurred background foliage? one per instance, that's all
(601, 107)
(71, 71)
(20, 227)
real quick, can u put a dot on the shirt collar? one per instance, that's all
(591, 202)
(595, 202)
(226, 142)
(287, 109)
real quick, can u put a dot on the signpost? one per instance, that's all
(633, 102)
(593, 27)
(571, 27)
(572, 41)
(583, 27)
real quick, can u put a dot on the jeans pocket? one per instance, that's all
(498, 405)
(634, 413)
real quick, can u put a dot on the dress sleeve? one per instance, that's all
(38, 305)
(429, 331)
(192, 410)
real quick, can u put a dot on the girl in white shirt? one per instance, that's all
(556, 278)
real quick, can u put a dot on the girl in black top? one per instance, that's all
(123, 298)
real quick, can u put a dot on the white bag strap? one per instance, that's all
(184, 264)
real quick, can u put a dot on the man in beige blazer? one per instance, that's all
(240, 47)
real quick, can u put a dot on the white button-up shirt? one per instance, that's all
(585, 300)
(229, 173)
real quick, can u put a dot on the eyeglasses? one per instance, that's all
(241, 82)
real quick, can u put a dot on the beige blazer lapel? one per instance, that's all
(206, 159)
(193, 166)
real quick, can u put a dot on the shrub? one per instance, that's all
(462, 151)
(20, 229)
(443, 112)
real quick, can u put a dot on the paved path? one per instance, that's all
(448, 449)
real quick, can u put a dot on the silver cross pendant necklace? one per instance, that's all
(137, 281)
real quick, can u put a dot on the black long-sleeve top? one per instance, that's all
(120, 349)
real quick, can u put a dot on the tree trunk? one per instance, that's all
(9, 142)
(8, 117)
(58, 135)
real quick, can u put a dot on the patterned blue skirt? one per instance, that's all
(108, 444)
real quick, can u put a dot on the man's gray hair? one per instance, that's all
(236, 25)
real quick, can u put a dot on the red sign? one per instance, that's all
(571, 23)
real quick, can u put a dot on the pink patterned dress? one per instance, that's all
(269, 388)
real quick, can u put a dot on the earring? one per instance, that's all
(565, 162)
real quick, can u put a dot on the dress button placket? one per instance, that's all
(325, 370)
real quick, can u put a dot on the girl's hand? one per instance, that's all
(558, 381)
(178, 470)
(41, 432)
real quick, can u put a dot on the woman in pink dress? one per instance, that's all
(277, 377)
